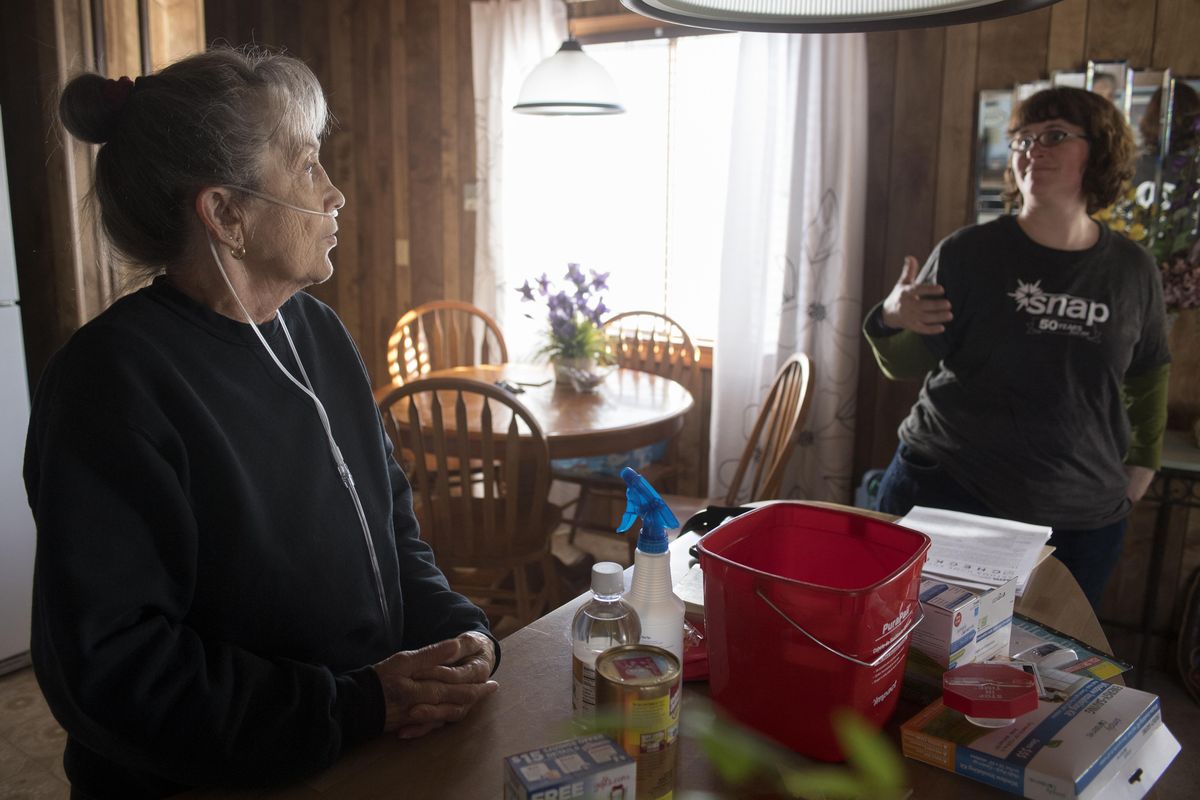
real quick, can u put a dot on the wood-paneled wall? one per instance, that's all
(923, 87)
(62, 273)
(398, 77)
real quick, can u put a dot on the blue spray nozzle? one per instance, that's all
(642, 501)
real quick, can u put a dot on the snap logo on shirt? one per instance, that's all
(1059, 313)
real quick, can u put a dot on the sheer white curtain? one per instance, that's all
(791, 261)
(508, 39)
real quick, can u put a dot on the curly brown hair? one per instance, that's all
(1112, 152)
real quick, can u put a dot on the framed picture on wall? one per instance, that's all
(1062, 77)
(991, 152)
(1145, 84)
(1111, 80)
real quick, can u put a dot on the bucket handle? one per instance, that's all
(879, 660)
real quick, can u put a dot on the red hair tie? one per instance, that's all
(116, 93)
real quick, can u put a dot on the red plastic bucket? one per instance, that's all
(809, 610)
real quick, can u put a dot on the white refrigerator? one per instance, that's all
(16, 521)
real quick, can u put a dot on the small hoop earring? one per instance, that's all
(238, 252)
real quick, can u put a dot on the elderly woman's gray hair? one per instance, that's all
(206, 120)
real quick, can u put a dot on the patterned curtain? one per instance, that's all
(508, 39)
(791, 263)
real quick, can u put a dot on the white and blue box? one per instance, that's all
(587, 768)
(1103, 742)
(962, 625)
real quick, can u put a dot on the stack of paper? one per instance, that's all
(979, 552)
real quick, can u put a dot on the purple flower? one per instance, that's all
(574, 311)
(599, 313)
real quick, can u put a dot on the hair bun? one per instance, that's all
(90, 106)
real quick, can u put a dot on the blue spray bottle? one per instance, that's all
(657, 606)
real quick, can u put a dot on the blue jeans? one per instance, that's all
(913, 479)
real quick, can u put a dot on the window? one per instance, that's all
(639, 195)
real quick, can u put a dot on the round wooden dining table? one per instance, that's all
(629, 409)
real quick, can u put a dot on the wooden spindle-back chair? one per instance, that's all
(480, 472)
(440, 335)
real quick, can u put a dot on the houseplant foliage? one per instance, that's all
(575, 308)
(1167, 224)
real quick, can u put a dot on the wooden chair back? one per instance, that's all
(480, 471)
(653, 342)
(775, 432)
(440, 335)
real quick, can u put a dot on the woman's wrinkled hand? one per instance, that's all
(918, 307)
(424, 689)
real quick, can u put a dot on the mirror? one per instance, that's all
(1112, 80)
(1062, 77)
(1177, 224)
(1027, 90)
(1146, 82)
(991, 153)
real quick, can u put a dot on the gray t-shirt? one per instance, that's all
(1024, 408)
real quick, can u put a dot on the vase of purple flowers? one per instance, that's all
(575, 306)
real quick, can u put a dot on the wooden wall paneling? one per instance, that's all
(176, 30)
(920, 59)
(451, 179)
(881, 91)
(1068, 31)
(465, 121)
(1013, 49)
(28, 81)
(348, 144)
(401, 294)
(1123, 29)
(954, 199)
(424, 152)
(373, 278)
(78, 241)
(1177, 36)
(122, 44)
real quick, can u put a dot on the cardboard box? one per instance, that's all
(590, 767)
(1104, 741)
(963, 625)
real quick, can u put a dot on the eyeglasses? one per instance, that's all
(1048, 138)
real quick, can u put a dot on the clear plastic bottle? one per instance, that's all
(604, 621)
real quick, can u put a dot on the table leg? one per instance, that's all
(1158, 546)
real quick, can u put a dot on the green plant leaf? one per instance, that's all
(828, 783)
(873, 757)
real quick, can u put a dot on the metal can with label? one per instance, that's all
(642, 685)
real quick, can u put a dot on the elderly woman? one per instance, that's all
(230, 586)
(1042, 344)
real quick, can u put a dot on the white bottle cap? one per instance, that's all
(608, 577)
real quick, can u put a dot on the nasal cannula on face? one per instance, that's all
(307, 387)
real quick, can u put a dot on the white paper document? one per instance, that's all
(976, 551)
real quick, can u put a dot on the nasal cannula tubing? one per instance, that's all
(306, 387)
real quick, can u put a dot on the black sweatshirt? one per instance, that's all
(205, 611)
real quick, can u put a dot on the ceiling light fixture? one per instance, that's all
(569, 83)
(827, 16)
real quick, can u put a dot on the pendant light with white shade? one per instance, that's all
(827, 16)
(569, 83)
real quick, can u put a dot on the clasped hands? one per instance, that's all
(918, 307)
(424, 689)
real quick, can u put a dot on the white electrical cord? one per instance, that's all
(306, 387)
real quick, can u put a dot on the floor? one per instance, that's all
(31, 742)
